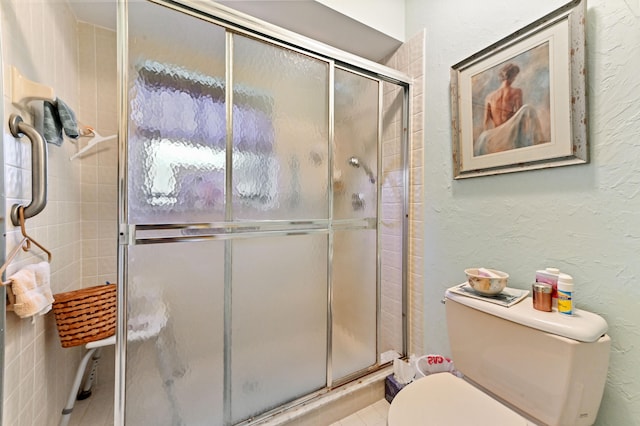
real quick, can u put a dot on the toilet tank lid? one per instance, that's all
(583, 326)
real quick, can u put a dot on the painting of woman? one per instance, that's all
(507, 116)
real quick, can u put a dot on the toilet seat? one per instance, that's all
(445, 400)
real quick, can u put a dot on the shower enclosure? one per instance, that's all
(263, 217)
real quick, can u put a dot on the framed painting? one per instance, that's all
(520, 104)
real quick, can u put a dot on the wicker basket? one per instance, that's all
(85, 315)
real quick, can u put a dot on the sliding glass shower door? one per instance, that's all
(250, 246)
(280, 204)
(175, 289)
(355, 209)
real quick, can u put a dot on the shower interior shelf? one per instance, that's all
(96, 138)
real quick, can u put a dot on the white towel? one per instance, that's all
(42, 272)
(32, 290)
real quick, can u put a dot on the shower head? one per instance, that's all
(355, 162)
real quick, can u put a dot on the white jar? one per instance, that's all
(565, 294)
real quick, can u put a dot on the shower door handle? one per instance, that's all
(19, 128)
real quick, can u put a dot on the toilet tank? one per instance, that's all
(546, 365)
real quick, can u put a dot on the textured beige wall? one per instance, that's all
(581, 219)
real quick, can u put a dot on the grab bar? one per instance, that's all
(19, 128)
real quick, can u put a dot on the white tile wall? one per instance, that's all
(36, 366)
(409, 58)
(42, 39)
(97, 87)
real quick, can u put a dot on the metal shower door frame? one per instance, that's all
(239, 23)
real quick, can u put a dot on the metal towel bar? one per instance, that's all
(19, 128)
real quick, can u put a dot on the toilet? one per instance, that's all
(521, 366)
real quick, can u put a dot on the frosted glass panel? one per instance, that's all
(354, 301)
(356, 146)
(391, 214)
(175, 343)
(177, 123)
(279, 321)
(277, 293)
(280, 161)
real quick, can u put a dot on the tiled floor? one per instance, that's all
(373, 415)
(98, 411)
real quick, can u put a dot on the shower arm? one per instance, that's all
(369, 173)
(355, 162)
(19, 128)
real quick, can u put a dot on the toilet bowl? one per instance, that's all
(443, 399)
(521, 366)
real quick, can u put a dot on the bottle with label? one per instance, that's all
(565, 294)
(549, 276)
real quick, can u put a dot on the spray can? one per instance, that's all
(549, 276)
(565, 294)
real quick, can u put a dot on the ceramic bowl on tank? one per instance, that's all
(487, 282)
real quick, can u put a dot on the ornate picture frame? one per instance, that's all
(520, 104)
